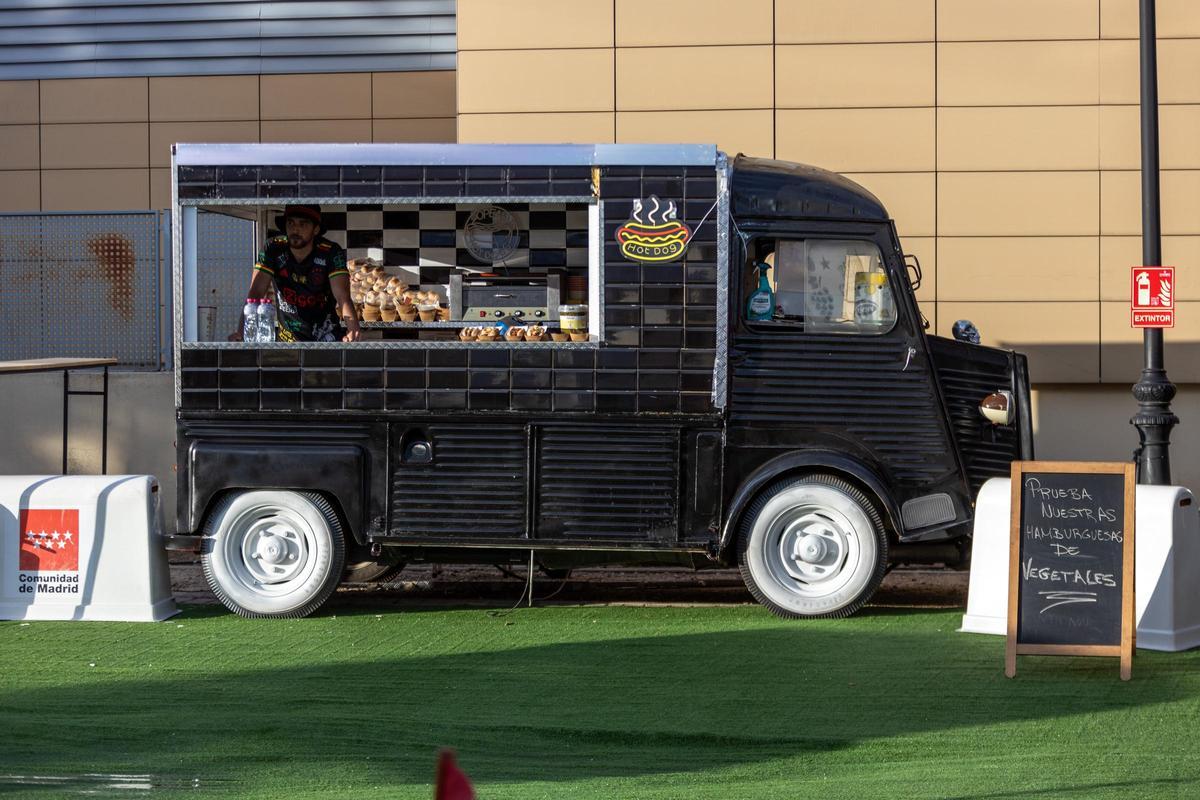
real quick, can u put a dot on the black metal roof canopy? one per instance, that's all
(762, 187)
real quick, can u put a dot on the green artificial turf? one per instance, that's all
(582, 702)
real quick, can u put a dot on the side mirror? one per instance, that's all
(998, 408)
(965, 331)
(913, 264)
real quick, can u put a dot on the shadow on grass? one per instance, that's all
(1138, 788)
(307, 703)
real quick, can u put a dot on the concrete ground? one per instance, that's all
(488, 585)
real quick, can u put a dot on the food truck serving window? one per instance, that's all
(821, 285)
(466, 271)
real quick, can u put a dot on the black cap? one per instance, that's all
(310, 212)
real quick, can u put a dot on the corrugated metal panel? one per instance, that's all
(968, 374)
(851, 384)
(608, 483)
(122, 38)
(475, 483)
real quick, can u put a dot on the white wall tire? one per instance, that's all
(812, 546)
(273, 553)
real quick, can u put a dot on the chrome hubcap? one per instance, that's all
(271, 548)
(813, 550)
(274, 551)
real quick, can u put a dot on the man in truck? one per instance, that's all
(308, 276)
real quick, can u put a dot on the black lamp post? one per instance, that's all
(1154, 418)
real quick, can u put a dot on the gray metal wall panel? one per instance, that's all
(118, 38)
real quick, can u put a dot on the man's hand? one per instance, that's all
(236, 336)
(340, 286)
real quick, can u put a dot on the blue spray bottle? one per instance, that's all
(761, 304)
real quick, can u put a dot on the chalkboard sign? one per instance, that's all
(1070, 585)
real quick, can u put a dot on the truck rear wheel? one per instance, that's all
(273, 553)
(812, 547)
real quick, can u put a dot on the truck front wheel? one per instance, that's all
(812, 546)
(273, 553)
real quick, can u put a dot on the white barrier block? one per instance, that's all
(82, 547)
(1166, 553)
(1166, 559)
(987, 593)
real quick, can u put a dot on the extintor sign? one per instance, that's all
(1152, 297)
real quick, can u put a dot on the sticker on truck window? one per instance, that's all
(654, 233)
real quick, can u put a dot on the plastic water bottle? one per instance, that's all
(266, 321)
(250, 320)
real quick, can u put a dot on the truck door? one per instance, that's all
(836, 361)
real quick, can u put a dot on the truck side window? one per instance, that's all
(822, 285)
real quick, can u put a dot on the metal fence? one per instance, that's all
(97, 284)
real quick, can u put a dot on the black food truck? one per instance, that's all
(575, 355)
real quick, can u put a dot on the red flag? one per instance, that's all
(49, 540)
(451, 782)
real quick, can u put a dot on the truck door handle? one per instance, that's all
(912, 352)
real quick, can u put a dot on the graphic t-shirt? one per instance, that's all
(305, 306)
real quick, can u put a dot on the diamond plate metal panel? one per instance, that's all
(80, 284)
(224, 266)
(721, 358)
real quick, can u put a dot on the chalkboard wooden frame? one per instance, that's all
(1124, 649)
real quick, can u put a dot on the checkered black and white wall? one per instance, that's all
(423, 244)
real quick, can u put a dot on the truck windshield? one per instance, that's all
(822, 285)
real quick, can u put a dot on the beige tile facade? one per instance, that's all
(737, 76)
(734, 131)
(1013, 20)
(328, 96)
(552, 126)
(165, 134)
(1018, 138)
(95, 100)
(692, 22)
(19, 102)
(567, 80)
(95, 189)
(19, 147)
(95, 145)
(105, 143)
(854, 75)
(316, 130)
(866, 140)
(204, 99)
(488, 24)
(841, 21)
(1002, 135)
(20, 190)
(437, 129)
(412, 95)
